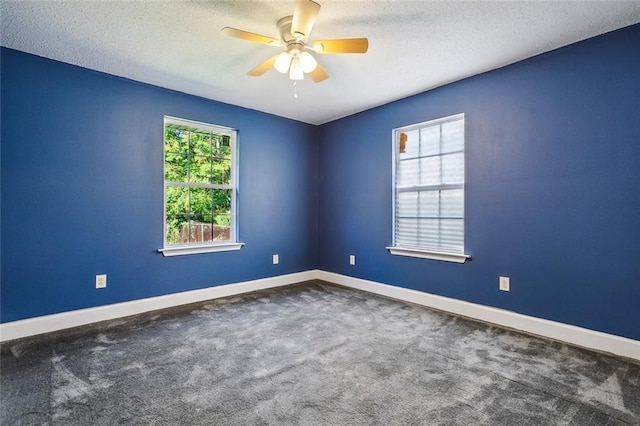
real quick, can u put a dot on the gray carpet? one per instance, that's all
(310, 354)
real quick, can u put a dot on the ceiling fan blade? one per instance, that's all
(246, 35)
(342, 45)
(304, 16)
(318, 74)
(263, 67)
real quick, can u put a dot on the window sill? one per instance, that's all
(184, 250)
(429, 254)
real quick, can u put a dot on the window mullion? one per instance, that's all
(418, 221)
(440, 191)
(199, 185)
(401, 160)
(442, 187)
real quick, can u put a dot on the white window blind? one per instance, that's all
(429, 186)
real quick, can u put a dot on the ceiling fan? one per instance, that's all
(294, 37)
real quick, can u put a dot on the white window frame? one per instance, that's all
(422, 252)
(210, 246)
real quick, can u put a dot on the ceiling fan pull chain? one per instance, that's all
(295, 89)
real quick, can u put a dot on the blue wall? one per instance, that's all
(82, 190)
(553, 187)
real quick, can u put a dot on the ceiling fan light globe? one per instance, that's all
(307, 62)
(295, 71)
(282, 63)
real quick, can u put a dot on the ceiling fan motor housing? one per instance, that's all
(284, 26)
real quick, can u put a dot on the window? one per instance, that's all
(199, 188)
(429, 190)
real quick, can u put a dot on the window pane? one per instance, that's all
(200, 143)
(200, 169)
(221, 227)
(428, 235)
(177, 217)
(407, 204)
(176, 139)
(176, 200)
(407, 172)
(453, 136)
(221, 171)
(453, 168)
(406, 234)
(201, 200)
(222, 146)
(411, 146)
(222, 201)
(199, 230)
(429, 169)
(176, 167)
(201, 216)
(177, 229)
(429, 204)
(430, 140)
(452, 203)
(452, 234)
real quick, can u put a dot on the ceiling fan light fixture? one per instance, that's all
(298, 58)
(283, 62)
(307, 62)
(295, 71)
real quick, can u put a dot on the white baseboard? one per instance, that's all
(554, 330)
(48, 323)
(578, 336)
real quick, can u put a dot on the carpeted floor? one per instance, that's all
(310, 354)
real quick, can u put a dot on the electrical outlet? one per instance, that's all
(101, 281)
(352, 259)
(276, 259)
(504, 283)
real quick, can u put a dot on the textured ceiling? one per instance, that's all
(413, 46)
